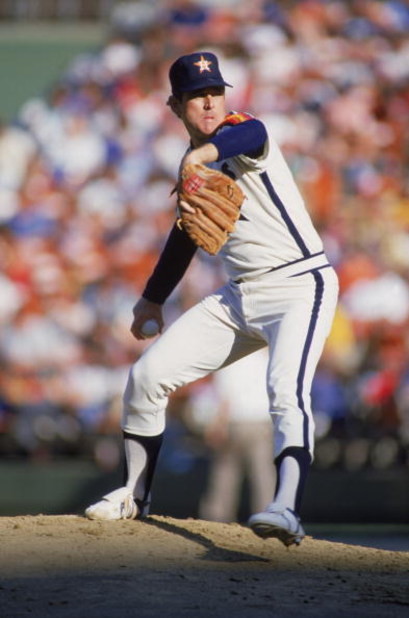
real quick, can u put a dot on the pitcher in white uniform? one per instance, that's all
(281, 293)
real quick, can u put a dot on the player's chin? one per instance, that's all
(208, 127)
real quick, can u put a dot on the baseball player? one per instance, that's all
(281, 293)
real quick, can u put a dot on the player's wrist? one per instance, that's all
(207, 153)
(151, 301)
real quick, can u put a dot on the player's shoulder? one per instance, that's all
(234, 118)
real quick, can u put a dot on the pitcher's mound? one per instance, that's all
(67, 566)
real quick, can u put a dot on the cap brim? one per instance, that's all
(206, 84)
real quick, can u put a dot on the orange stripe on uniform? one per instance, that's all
(236, 118)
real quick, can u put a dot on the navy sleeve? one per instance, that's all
(246, 138)
(172, 265)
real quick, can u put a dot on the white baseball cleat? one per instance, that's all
(118, 504)
(278, 522)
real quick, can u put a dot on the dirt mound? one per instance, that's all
(67, 566)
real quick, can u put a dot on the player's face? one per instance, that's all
(202, 111)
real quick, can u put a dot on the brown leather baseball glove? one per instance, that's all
(216, 199)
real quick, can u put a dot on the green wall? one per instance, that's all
(332, 496)
(33, 57)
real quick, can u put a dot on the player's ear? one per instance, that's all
(175, 105)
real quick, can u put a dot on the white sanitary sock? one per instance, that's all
(289, 478)
(137, 459)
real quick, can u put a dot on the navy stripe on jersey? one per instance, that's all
(309, 270)
(319, 292)
(287, 219)
(312, 255)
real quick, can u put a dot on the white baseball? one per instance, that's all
(150, 328)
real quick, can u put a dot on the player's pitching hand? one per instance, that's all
(144, 312)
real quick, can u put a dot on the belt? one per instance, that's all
(291, 269)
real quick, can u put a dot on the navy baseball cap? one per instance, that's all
(194, 72)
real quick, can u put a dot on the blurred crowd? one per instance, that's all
(86, 173)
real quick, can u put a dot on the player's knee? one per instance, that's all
(144, 390)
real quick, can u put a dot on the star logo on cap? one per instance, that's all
(203, 64)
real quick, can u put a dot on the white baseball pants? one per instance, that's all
(292, 315)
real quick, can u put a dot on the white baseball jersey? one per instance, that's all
(281, 293)
(274, 228)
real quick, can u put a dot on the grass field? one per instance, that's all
(34, 56)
